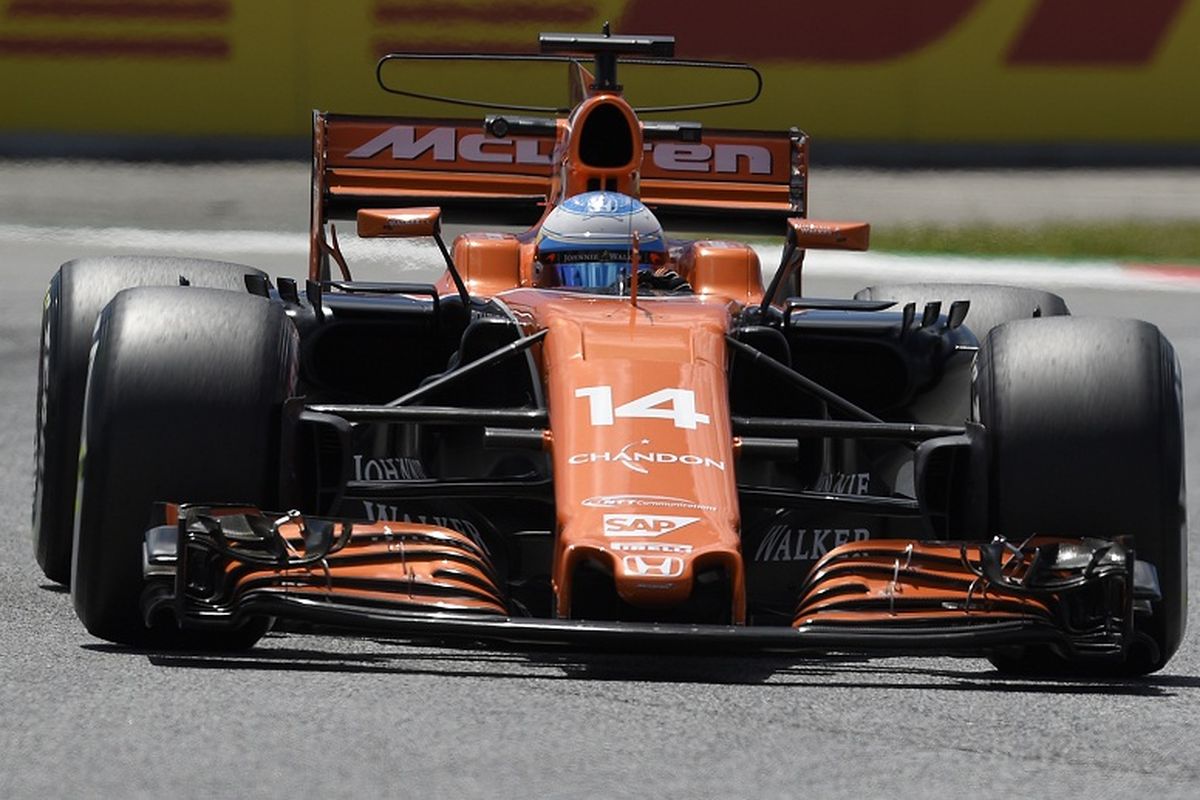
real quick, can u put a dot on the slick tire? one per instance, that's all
(990, 305)
(77, 293)
(1085, 427)
(183, 404)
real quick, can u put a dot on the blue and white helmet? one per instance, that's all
(588, 239)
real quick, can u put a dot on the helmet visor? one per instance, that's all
(591, 274)
(595, 269)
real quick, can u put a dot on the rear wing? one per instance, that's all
(731, 180)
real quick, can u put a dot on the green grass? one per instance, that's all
(1149, 242)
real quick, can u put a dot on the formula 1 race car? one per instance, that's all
(594, 434)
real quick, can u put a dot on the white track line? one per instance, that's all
(132, 239)
(894, 268)
(866, 267)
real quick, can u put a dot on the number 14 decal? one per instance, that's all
(677, 405)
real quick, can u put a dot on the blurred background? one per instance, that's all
(928, 115)
(1046, 81)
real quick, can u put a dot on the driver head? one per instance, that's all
(587, 241)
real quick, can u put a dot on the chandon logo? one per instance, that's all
(635, 459)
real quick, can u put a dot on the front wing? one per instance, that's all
(219, 567)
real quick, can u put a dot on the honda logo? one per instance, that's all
(653, 566)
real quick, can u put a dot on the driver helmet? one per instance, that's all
(588, 239)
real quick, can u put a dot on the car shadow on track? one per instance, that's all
(283, 653)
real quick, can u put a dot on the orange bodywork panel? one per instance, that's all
(642, 450)
(489, 263)
(724, 269)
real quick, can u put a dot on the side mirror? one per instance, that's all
(813, 234)
(399, 223)
(411, 223)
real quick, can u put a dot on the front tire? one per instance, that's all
(183, 404)
(74, 299)
(1085, 423)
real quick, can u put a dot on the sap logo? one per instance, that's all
(783, 543)
(444, 144)
(643, 525)
(653, 566)
(722, 158)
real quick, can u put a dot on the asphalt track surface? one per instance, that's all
(338, 717)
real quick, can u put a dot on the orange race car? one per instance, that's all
(595, 433)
